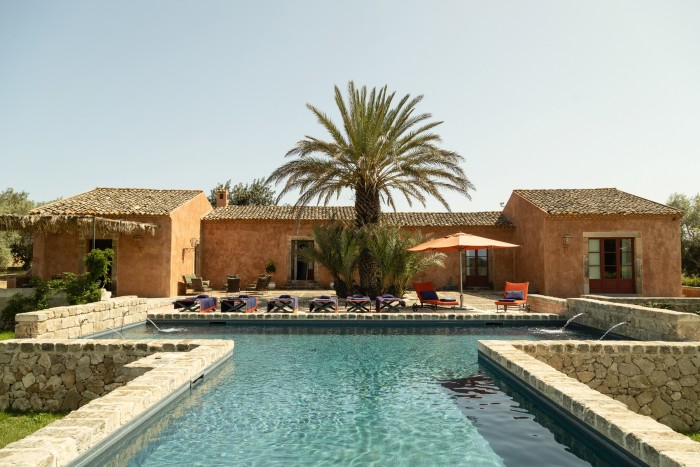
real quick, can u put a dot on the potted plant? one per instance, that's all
(270, 269)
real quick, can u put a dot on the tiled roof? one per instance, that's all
(347, 213)
(594, 202)
(119, 201)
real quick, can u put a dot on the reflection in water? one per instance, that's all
(515, 428)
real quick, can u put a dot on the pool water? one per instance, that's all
(353, 396)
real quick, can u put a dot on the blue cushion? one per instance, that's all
(285, 296)
(514, 294)
(202, 296)
(447, 300)
(428, 295)
(324, 297)
(357, 295)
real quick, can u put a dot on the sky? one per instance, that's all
(537, 94)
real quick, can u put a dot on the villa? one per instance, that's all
(572, 241)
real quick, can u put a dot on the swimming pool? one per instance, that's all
(353, 396)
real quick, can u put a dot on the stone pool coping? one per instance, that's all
(445, 317)
(643, 437)
(166, 373)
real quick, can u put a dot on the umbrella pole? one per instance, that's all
(461, 297)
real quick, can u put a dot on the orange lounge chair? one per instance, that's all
(515, 294)
(427, 296)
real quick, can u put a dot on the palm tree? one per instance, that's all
(382, 147)
(389, 248)
(336, 248)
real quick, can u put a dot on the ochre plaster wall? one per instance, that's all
(186, 224)
(553, 271)
(529, 221)
(143, 263)
(657, 245)
(56, 254)
(243, 247)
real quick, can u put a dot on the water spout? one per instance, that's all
(613, 327)
(570, 320)
(120, 334)
(165, 330)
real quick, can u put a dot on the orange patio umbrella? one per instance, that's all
(460, 242)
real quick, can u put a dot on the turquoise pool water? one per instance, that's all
(353, 396)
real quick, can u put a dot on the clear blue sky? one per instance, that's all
(186, 94)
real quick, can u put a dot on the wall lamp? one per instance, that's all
(566, 240)
(193, 246)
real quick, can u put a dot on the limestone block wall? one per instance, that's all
(648, 324)
(68, 322)
(684, 304)
(545, 304)
(169, 371)
(661, 380)
(62, 375)
(651, 442)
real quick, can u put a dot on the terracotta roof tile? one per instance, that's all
(594, 202)
(119, 201)
(347, 213)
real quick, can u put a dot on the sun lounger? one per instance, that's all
(240, 304)
(515, 294)
(323, 303)
(283, 304)
(428, 296)
(198, 304)
(388, 303)
(358, 303)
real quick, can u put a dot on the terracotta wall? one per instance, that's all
(243, 247)
(56, 254)
(529, 222)
(142, 261)
(186, 225)
(554, 271)
(657, 246)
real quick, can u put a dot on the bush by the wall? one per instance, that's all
(691, 281)
(18, 303)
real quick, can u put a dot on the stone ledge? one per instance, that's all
(644, 438)
(61, 442)
(389, 317)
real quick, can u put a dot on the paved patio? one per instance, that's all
(474, 300)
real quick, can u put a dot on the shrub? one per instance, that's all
(87, 287)
(691, 281)
(18, 303)
(22, 250)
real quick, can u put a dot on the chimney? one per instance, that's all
(221, 197)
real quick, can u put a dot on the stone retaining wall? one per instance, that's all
(646, 439)
(685, 304)
(654, 379)
(648, 324)
(68, 322)
(64, 375)
(546, 304)
(167, 367)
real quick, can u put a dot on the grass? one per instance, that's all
(15, 426)
(694, 436)
(7, 335)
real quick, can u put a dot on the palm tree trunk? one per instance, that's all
(367, 213)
